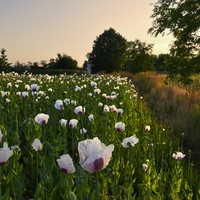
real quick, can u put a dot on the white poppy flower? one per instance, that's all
(147, 128)
(66, 164)
(100, 104)
(9, 85)
(178, 156)
(5, 153)
(79, 110)
(63, 122)
(135, 96)
(59, 105)
(15, 148)
(25, 94)
(120, 126)
(7, 100)
(83, 131)
(113, 108)
(1, 136)
(50, 90)
(73, 102)
(97, 91)
(91, 117)
(67, 101)
(18, 93)
(106, 108)
(73, 123)
(94, 155)
(78, 89)
(93, 84)
(144, 167)
(130, 141)
(119, 111)
(27, 87)
(42, 118)
(3, 94)
(37, 145)
(34, 87)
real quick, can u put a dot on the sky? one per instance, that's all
(35, 30)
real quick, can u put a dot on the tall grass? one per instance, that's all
(175, 105)
(150, 169)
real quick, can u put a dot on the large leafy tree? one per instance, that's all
(161, 63)
(109, 52)
(181, 18)
(4, 64)
(140, 56)
(63, 62)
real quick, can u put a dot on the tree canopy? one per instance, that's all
(109, 52)
(4, 64)
(63, 62)
(140, 58)
(182, 19)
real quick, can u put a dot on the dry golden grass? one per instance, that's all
(175, 105)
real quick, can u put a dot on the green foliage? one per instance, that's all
(182, 20)
(181, 68)
(161, 62)
(109, 52)
(63, 62)
(4, 64)
(140, 58)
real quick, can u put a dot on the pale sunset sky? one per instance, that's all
(35, 30)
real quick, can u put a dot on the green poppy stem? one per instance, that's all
(45, 162)
(0, 181)
(37, 170)
(12, 184)
(67, 185)
(73, 132)
(97, 187)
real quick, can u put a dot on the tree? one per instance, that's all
(161, 63)
(182, 19)
(4, 64)
(51, 63)
(109, 52)
(44, 63)
(140, 57)
(64, 62)
(35, 65)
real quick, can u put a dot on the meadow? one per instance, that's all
(87, 137)
(176, 105)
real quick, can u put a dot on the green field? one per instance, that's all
(113, 145)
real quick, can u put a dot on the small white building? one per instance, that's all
(89, 68)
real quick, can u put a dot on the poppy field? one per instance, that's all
(87, 137)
